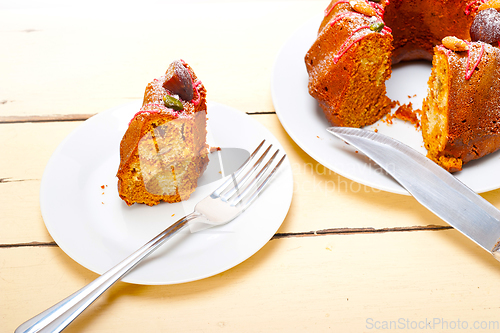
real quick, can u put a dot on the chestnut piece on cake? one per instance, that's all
(164, 150)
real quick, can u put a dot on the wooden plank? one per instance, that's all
(110, 61)
(23, 161)
(66, 117)
(29, 147)
(344, 283)
(347, 258)
(323, 201)
(20, 213)
(44, 119)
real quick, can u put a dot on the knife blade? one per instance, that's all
(431, 185)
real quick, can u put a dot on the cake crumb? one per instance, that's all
(214, 149)
(388, 119)
(406, 113)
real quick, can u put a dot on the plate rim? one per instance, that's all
(47, 214)
(297, 40)
(314, 20)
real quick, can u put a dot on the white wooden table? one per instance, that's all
(347, 258)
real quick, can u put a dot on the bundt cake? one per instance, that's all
(164, 150)
(359, 40)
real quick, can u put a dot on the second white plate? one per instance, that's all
(306, 124)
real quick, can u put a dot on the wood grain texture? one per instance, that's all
(79, 60)
(350, 205)
(44, 119)
(320, 284)
(347, 258)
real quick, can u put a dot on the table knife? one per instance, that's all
(431, 185)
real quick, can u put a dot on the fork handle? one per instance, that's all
(60, 315)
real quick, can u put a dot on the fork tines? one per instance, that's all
(245, 184)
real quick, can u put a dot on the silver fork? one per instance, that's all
(227, 202)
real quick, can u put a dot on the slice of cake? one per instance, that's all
(164, 150)
(349, 63)
(461, 113)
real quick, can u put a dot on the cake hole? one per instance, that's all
(326, 88)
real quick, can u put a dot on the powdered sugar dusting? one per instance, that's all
(329, 9)
(349, 42)
(468, 73)
(153, 98)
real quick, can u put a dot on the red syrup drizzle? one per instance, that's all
(147, 111)
(348, 43)
(444, 49)
(471, 8)
(340, 16)
(329, 10)
(344, 48)
(468, 74)
(196, 100)
(378, 8)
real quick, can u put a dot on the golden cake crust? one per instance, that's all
(153, 122)
(348, 65)
(470, 108)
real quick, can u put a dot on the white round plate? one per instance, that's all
(304, 120)
(88, 220)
